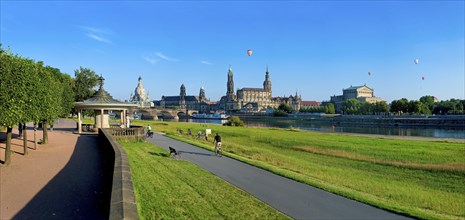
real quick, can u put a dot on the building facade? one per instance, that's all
(253, 99)
(361, 93)
(140, 96)
(189, 102)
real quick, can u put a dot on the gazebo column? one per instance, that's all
(101, 118)
(121, 117)
(124, 117)
(79, 122)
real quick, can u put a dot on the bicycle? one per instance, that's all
(149, 134)
(218, 151)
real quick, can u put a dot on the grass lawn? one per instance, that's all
(177, 189)
(425, 179)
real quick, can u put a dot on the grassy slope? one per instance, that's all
(421, 178)
(176, 189)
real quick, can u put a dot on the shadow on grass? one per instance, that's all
(159, 154)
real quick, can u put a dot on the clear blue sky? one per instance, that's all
(316, 48)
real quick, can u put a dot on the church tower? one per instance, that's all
(230, 86)
(202, 94)
(267, 82)
(182, 96)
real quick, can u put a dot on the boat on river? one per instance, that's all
(210, 116)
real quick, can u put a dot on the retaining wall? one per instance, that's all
(123, 200)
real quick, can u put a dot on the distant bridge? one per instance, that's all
(166, 113)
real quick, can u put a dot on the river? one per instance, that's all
(328, 127)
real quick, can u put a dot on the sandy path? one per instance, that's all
(62, 179)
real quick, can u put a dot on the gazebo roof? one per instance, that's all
(102, 99)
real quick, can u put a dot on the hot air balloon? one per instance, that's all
(249, 52)
(416, 61)
(422, 78)
(369, 73)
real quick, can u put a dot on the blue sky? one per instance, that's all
(316, 48)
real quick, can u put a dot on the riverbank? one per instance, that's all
(419, 178)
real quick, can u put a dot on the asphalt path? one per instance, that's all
(298, 200)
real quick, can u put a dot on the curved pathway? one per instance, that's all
(300, 201)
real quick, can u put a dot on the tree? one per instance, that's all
(14, 89)
(234, 121)
(85, 80)
(399, 106)
(286, 108)
(330, 108)
(67, 95)
(414, 106)
(351, 106)
(381, 107)
(428, 101)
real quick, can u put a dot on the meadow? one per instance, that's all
(177, 189)
(424, 179)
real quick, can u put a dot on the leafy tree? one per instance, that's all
(14, 95)
(366, 108)
(67, 95)
(381, 107)
(351, 106)
(286, 108)
(85, 80)
(234, 121)
(414, 106)
(428, 101)
(329, 108)
(399, 106)
(279, 113)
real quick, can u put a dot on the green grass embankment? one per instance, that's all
(425, 179)
(177, 189)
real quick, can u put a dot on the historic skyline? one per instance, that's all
(314, 48)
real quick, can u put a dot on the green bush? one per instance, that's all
(279, 113)
(234, 121)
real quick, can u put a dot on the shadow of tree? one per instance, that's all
(81, 190)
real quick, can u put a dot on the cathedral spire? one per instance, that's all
(230, 85)
(267, 82)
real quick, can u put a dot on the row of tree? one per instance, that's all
(32, 92)
(427, 105)
(327, 108)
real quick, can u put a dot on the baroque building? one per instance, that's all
(189, 102)
(361, 93)
(253, 99)
(140, 96)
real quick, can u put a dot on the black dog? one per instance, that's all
(173, 152)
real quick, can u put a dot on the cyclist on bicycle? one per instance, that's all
(149, 131)
(218, 145)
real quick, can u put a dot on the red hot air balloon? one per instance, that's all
(249, 52)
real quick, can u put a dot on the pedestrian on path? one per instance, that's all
(20, 130)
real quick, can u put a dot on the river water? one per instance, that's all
(328, 127)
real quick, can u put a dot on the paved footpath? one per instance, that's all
(61, 180)
(300, 201)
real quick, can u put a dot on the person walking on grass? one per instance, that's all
(218, 145)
